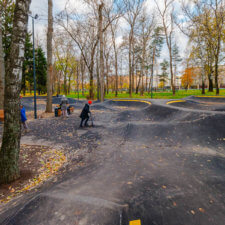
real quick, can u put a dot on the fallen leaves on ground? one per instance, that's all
(201, 210)
(51, 161)
(55, 160)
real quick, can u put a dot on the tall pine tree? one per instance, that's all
(27, 76)
(41, 71)
(41, 68)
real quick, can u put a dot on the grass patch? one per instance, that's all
(156, 95)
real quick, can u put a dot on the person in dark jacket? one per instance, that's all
(23, 118)
(85, 114)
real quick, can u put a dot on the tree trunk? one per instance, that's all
(210, 83)
(65, 83)
(130, 63)
(107, 82)
(91, 71)
(91, 90)
(152, 72)
(102, 83)
(98, 82)
(82, 67)
(116, 61)
(69, 85)
(146, 81)
(143, 68)
(23, 86)
(216, 76)
(49, 57)
(171, 72)
(2, 68)
(203, 87)
(97, 74)
(82, 83)
(9, 154)
(210, 72)
(107, 74)
(138, 84)
(78, 84)
(116, 69)
(132, 67)
(58, 83)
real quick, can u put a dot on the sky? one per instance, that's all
(40, 7)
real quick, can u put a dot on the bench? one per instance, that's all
(1, 115)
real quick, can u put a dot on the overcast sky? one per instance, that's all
(40, 7)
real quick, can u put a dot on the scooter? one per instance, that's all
(92, 121)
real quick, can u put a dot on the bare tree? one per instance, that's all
(85, 36)
(49, 57)
(147, 25)
(155, 50)
(100, 35)
(2, 64)
(113, 33)
(82, 71)
(88, 33)
(133, 9)
(167, 17)
(9, 154)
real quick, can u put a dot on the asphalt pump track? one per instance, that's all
(162, 164)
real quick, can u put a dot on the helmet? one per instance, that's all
(89, 102)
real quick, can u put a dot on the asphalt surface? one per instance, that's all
(162, 164)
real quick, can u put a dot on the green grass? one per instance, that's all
(157, 95)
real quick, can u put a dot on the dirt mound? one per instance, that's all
(120, 104)
(171, 125)
(155, 113)
(201, 131)
(208, 99)
(211, 106)
(127, 103)
(102, 106)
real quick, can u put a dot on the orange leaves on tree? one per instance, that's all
(187, 78)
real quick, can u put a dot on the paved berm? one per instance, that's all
(162, 164)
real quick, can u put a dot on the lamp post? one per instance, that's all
(34, 69)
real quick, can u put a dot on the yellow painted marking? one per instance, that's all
(124, 100)
(135, 222)
(210, 96)
(171, 102)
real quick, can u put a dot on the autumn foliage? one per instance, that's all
(187, 78)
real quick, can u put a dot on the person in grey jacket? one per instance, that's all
(63, 104)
